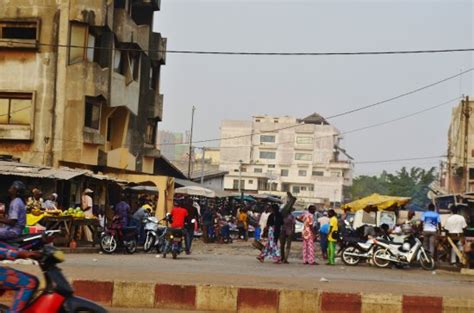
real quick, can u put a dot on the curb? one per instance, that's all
(242, 300)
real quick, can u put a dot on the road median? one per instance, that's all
(243, 299)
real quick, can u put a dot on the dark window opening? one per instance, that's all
(16, 108)
(92, 113)
(18, 30)
(18, 33)
(109, 129)
(150, 134)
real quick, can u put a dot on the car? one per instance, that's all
(299, 225)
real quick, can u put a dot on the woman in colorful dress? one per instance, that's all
(271, 251)
(308, 235)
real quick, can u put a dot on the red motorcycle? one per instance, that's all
(58, 296)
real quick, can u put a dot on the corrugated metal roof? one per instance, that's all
(38, 171)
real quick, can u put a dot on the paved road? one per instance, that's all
(236, 265)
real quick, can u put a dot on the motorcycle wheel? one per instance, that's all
(149, 243)
(382, 263)
(427, 263)
(131, 247)
(350, 259)
(108, 244)
(175, 255)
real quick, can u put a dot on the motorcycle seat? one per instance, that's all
(390, 242)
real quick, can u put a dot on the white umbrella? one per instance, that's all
(196, 191)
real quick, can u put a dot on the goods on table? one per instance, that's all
(77, 213)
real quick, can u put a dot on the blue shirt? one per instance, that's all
(324, 229)
(430, 221)
(17, 211)
(121, 209)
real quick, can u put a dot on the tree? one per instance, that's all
(412, 183)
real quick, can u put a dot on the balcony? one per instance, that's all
(92, 12)
(158, 48)
(123, 94)
(88, 78)
(157, 111)
(142, 11)
(128, 32)
(341, 165)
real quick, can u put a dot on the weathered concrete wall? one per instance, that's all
(30, 71)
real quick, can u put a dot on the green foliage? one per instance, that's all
(404, 183)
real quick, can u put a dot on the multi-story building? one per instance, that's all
(460, 150)
(279, 154)
(174, 146)
(80, 82)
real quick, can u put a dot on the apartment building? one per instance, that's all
(80, 83)
(277, 154)
(460, 150)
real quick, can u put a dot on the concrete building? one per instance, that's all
(80, 83)
(453, 178)
(173, 145)
(278, 154)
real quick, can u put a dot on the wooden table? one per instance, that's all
(70, 226)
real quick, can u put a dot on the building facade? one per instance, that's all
(80, 83)
(460, 150)
(279, 154)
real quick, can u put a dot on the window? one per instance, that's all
(285, 187)
(258, 170)
(262, 184)
(16, 108)
(311, 188)
(109, 129)
(303, 188)
(304, 140)
(335, 174)
(296, 189)
(19, 30)
(150, 134)
(303, 156)
(302, 173)
(271, 165)
(267, 155)
(471, 173)
(267, 139)
(127, 63)
(273, 186)
(77, 40)
(243, 169)
(235, 184)
(257, 121)
(250, 181)
(154, 77)
(318, 173)
(284, 173)
(92, 113)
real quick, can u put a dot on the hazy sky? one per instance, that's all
(237, 87)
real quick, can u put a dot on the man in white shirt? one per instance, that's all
(455, 225)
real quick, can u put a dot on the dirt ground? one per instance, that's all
(236, 265)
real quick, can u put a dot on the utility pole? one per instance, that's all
(202, 164)
(466, 113)
(191, 143)
(448, 182)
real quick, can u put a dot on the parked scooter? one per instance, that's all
(58, 295)
(402, 254)
(155, 234)
(115, 236)
(33, 242)
(357, 251)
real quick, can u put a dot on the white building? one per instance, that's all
(279, 154)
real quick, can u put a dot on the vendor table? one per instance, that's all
(70, 227)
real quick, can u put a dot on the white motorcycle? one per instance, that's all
(401, 254)
(154, 234)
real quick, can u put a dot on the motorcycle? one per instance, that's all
(58, 295)
(402, 254)
(173, 242)
(154, 234)
(115, 236)
(356, 251)
(33, 242)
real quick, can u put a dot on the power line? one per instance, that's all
(401, 160)
(338, 114)
(255, 53)
(365, 127)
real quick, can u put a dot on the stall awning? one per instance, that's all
(380, 202)
(187, 183)
(36, 171)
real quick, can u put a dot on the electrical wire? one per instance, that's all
(253, 53)
(336, 115)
